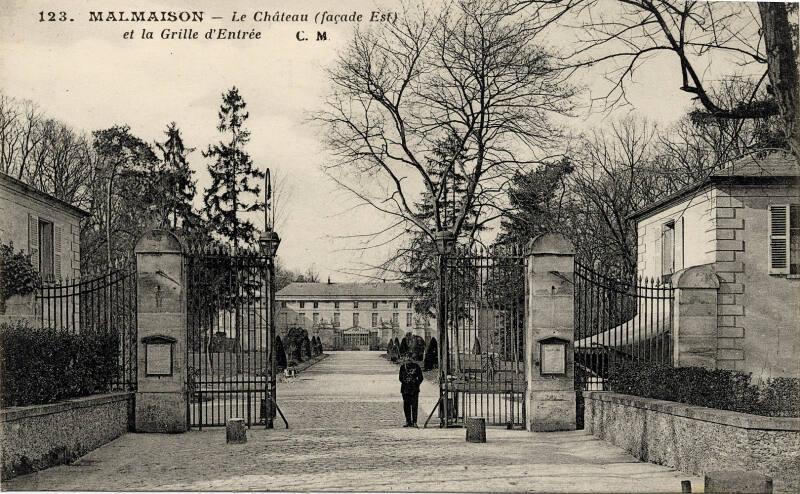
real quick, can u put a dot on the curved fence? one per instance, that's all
(102, 303)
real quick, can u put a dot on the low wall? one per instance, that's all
(697, 439)
(40, 436)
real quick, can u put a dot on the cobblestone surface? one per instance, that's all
(345, 418)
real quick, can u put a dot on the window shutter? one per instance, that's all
(57, 252)
(679, 262)
(779, 239)
(33, 239)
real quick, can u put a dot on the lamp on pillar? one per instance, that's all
(269, 242)
(269, 239)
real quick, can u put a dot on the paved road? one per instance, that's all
(345, 417)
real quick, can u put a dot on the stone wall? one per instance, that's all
(40, 436)
(696, 439)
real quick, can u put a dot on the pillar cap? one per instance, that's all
(158, 241)
(702, 276)
(551, 243)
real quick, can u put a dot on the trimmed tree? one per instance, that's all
(431, 360)
(280, 353)
(306, 348)
(476, 346)
(417, 348)
(404, 347)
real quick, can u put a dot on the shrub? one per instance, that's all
(713, 388)
(43, 365)
(320, 349)
(280, 354)
(17, 274)
(394, 353)
(416, 348)
(389, 347)
(293, 343)
(431, 360)
(306, 347)
(404, 347)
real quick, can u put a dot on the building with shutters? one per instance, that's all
(46, 227)
(744, 221)
(350, 311)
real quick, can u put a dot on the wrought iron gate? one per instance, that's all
(231, 337)
(482, 369)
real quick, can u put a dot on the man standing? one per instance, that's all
(411, 378)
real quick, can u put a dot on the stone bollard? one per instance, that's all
(235, 432)
(476, 429)
(738, 482)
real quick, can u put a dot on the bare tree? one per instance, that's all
(615, 173)
(20, 135)
(463, 74)
(759, 40)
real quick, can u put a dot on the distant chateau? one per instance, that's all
(350, 313)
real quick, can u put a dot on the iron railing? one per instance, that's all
(100, 303)
(619, 320)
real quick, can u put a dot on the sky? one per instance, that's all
(86, 75)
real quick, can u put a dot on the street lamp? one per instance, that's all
(269, 242)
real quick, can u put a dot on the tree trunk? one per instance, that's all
(782, 67)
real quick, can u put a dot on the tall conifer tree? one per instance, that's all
(176, 180)
(233, 177)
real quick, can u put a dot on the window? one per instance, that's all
(316, 305)
(355, 319)
(46, 249)
(283, 305)
(784, 239)
(301, 319)
(408, 306)
(395, 319)
(355, 305)
(667, 249)
(336, 320)
(374, 305)
(315, 317)
(374, 319)
(283, 322)
(336, 305)
(408, 319)
(302, 305)
(395, 305)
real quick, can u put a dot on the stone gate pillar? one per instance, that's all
(161, 396)
(694, 312)
(549, 338)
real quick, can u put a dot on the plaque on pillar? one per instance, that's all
(158, 351)
(553, 356)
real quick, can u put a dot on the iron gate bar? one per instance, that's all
(484, 335)
(231, 335)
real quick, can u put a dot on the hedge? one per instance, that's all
(44, 365)
(712, 388)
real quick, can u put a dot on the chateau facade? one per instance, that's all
(350, 312)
